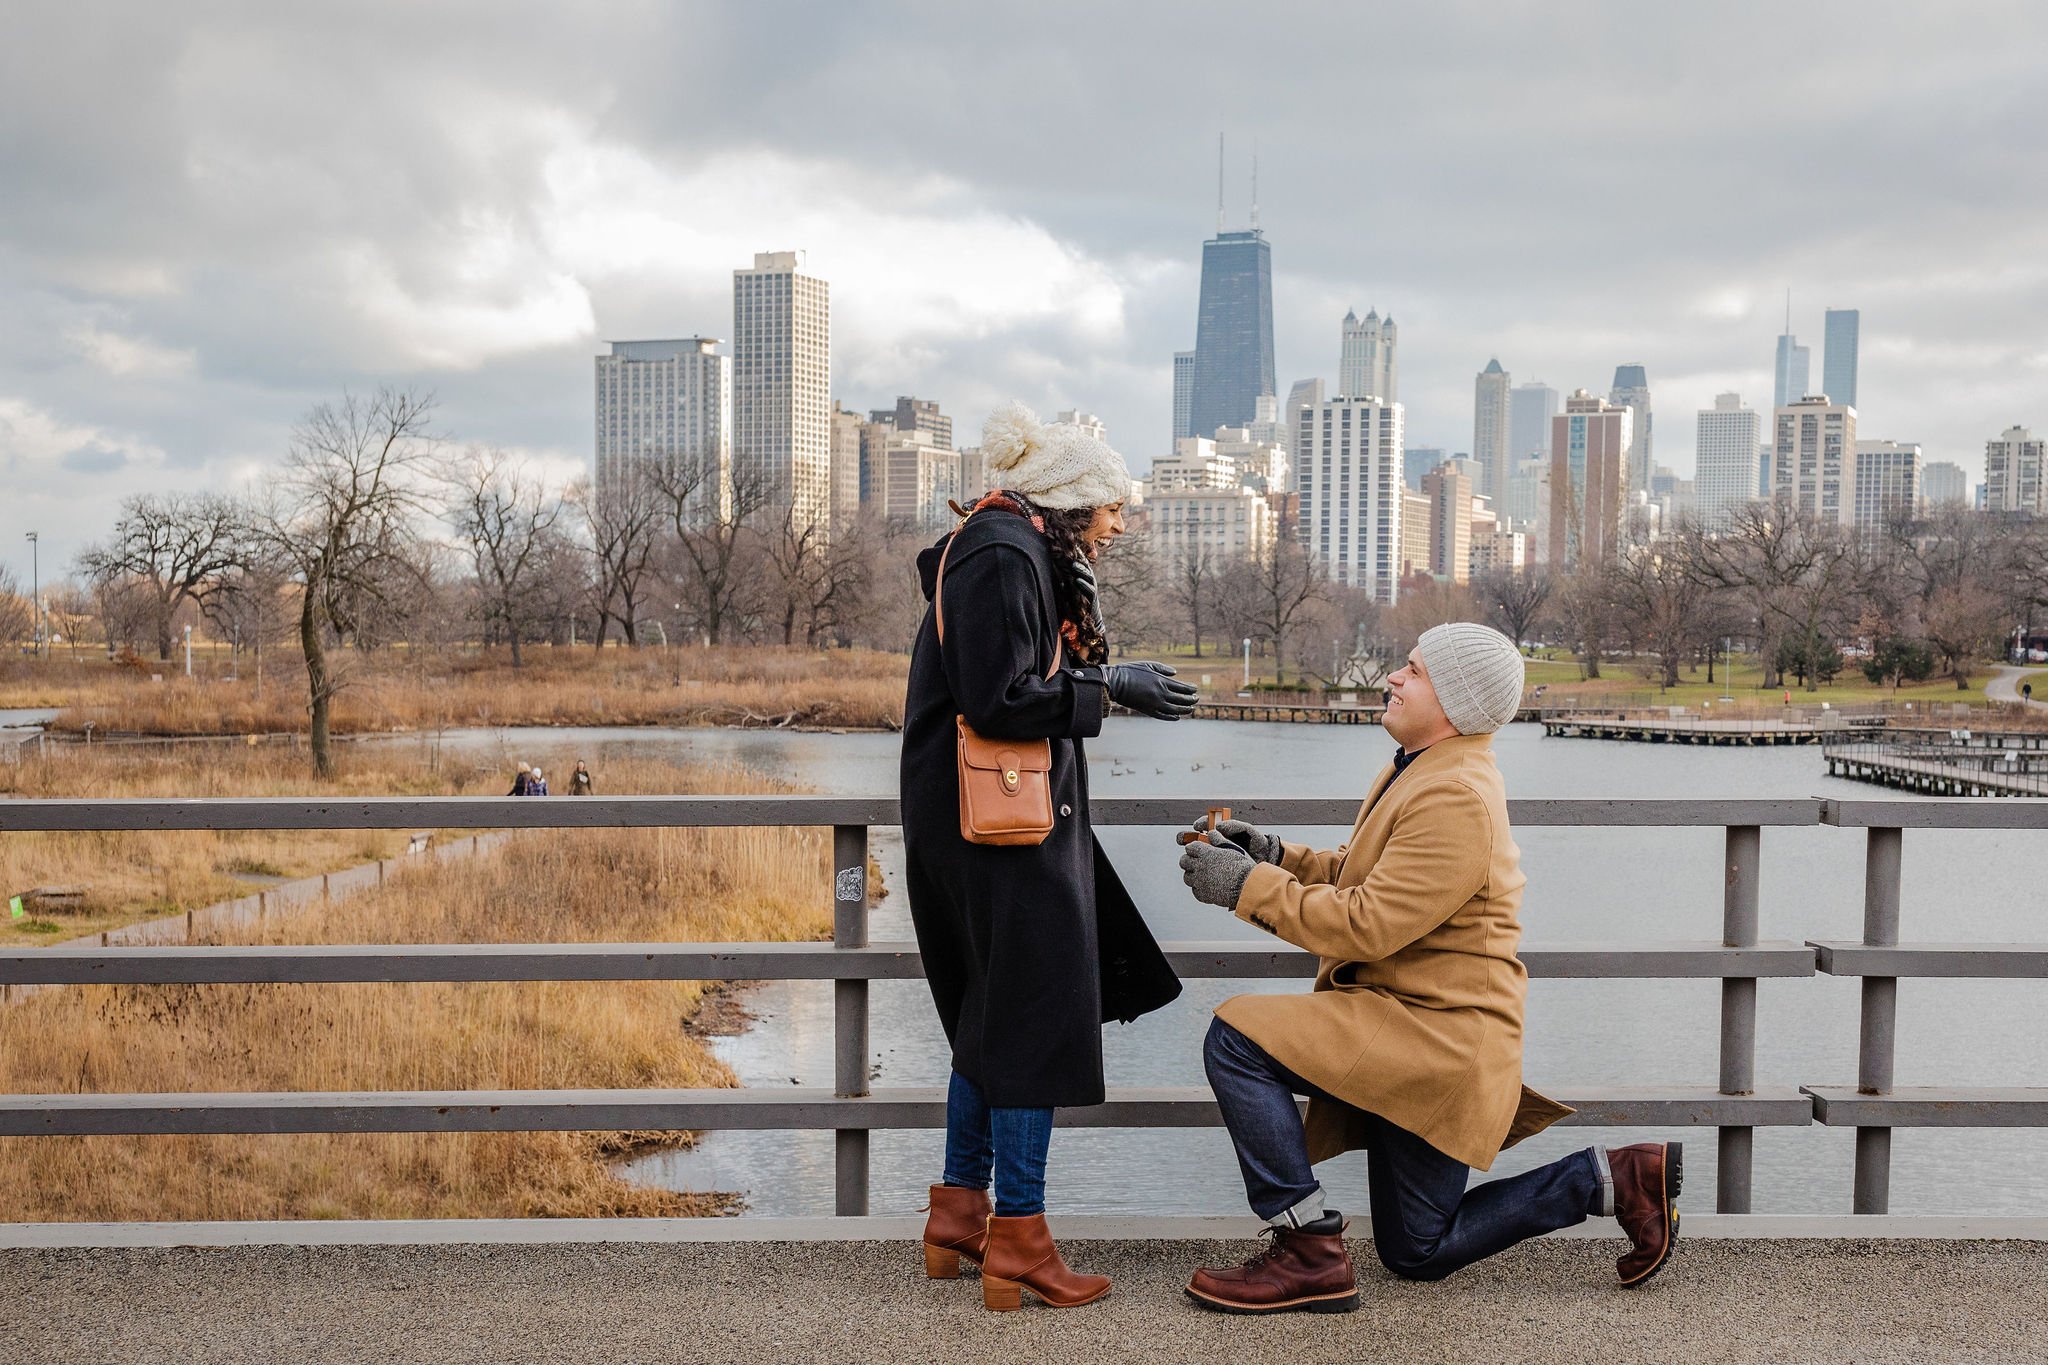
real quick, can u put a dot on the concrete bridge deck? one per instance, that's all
(1896, 1297)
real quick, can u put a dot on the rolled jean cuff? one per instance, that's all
(1300, 1215)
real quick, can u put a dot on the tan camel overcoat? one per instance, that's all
(1416, 1015)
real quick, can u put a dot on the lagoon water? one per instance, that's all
(1585, 884)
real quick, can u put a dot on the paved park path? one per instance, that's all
(1554, 1300)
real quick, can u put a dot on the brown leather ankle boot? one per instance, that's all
(1647, 1178)
(1021, 1256)
(958, 1226)
(1296, 1272)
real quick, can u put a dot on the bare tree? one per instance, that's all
(1128, 577)
(1426, 602)
(69, 610)
(1792, 573)
(250, 607)
(1513, 601)
(1191, 587)
(17, 613)
(175, 546)
(1964, 622)
(1582, 606)
(1275, 594)
(506, 515)
(1662, 606)
(624, 523)
(711, 514)
(805, 581)
(342, 518)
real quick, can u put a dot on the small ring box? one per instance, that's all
(1217, 815)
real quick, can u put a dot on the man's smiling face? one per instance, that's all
(1415, 718)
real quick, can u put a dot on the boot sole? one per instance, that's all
(1321, 1303)
(1674, 1181)
(1008, 1296)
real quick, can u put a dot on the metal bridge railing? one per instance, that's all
(851, 1109)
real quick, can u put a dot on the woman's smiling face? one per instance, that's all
(1106, 527)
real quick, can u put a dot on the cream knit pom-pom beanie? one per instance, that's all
(1055, 465)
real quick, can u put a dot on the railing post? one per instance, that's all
(1738, 1013)
(850, 1015)
(1881, 862)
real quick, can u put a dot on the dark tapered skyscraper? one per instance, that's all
(1233, 333)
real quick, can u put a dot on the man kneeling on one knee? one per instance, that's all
(1410, 1045)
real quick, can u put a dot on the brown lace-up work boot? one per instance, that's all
(1647, 1177)
(1021, 1256)
(957, 1226)
(1296, 1272)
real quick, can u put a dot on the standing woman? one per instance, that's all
(1028, 948)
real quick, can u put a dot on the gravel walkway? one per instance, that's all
(1545, 1301)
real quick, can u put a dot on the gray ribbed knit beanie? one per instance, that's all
(1477, 673)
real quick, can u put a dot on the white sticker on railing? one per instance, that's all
(851, 884)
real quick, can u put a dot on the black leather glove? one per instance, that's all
(1246, 836)
(1150, 689)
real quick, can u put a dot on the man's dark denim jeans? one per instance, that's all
(1425, 1224)
(1006, 1144)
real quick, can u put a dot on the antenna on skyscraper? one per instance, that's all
(1788, 310)
(1219, 184)
(1255, 184)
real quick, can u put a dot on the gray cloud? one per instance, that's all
(261, 204)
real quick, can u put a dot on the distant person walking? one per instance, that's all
(538, 786)
(580, 782)
(522, 782)
(1029, 947)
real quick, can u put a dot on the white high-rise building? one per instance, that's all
(1490, 425)
(1366, 367)
(1347, 469)
(1943, 481)
(1813, 460)
(846, 467)
(2014, 480)
(1209, 524)
(666, 406)
(1632, 391)
(1087, 421)
(1724, 450)
(1262, 465)
(782, 382)
(1887, 481)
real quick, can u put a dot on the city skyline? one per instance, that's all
(267, 208)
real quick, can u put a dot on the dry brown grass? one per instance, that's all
(622, 886)
(404, 690)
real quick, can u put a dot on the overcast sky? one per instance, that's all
(213, 215)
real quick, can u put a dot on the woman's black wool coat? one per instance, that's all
(1029, 950)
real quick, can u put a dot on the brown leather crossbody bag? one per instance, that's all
(1005, 784)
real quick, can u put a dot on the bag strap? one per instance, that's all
(939, 604)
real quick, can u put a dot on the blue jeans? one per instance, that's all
(1008, 1144)
(1425, 1223)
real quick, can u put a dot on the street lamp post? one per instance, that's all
(1247, 663)
(35, 590)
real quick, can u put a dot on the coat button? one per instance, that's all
(1065, 811)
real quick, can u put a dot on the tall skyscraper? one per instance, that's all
(1943, 481)
(666, 406)
(1838, 361)
(1416, 461)
(1530, 408)
(1589, 449)
(1366, 365)
(1632, 391)
(1813, 459)
(2013, 476)
(1183, 394)
(1793, 376)
(1724, 449)
(1233, 332)
(846, 466)
(1887, 480)
(1491, 420)
(922, 414)
(1348, 473)
(782, 382)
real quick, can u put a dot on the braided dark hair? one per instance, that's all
(1065, 530)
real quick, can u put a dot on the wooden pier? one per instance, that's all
(1292, 714)
(1947, 763)
(1698, 730)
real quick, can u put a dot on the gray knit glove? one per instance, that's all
(1215, 870)
(1246, 836)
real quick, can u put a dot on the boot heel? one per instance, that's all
(1001, 1296)
(941, 1263)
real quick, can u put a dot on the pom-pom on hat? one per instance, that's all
(1477, 674)
(1055, 464)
